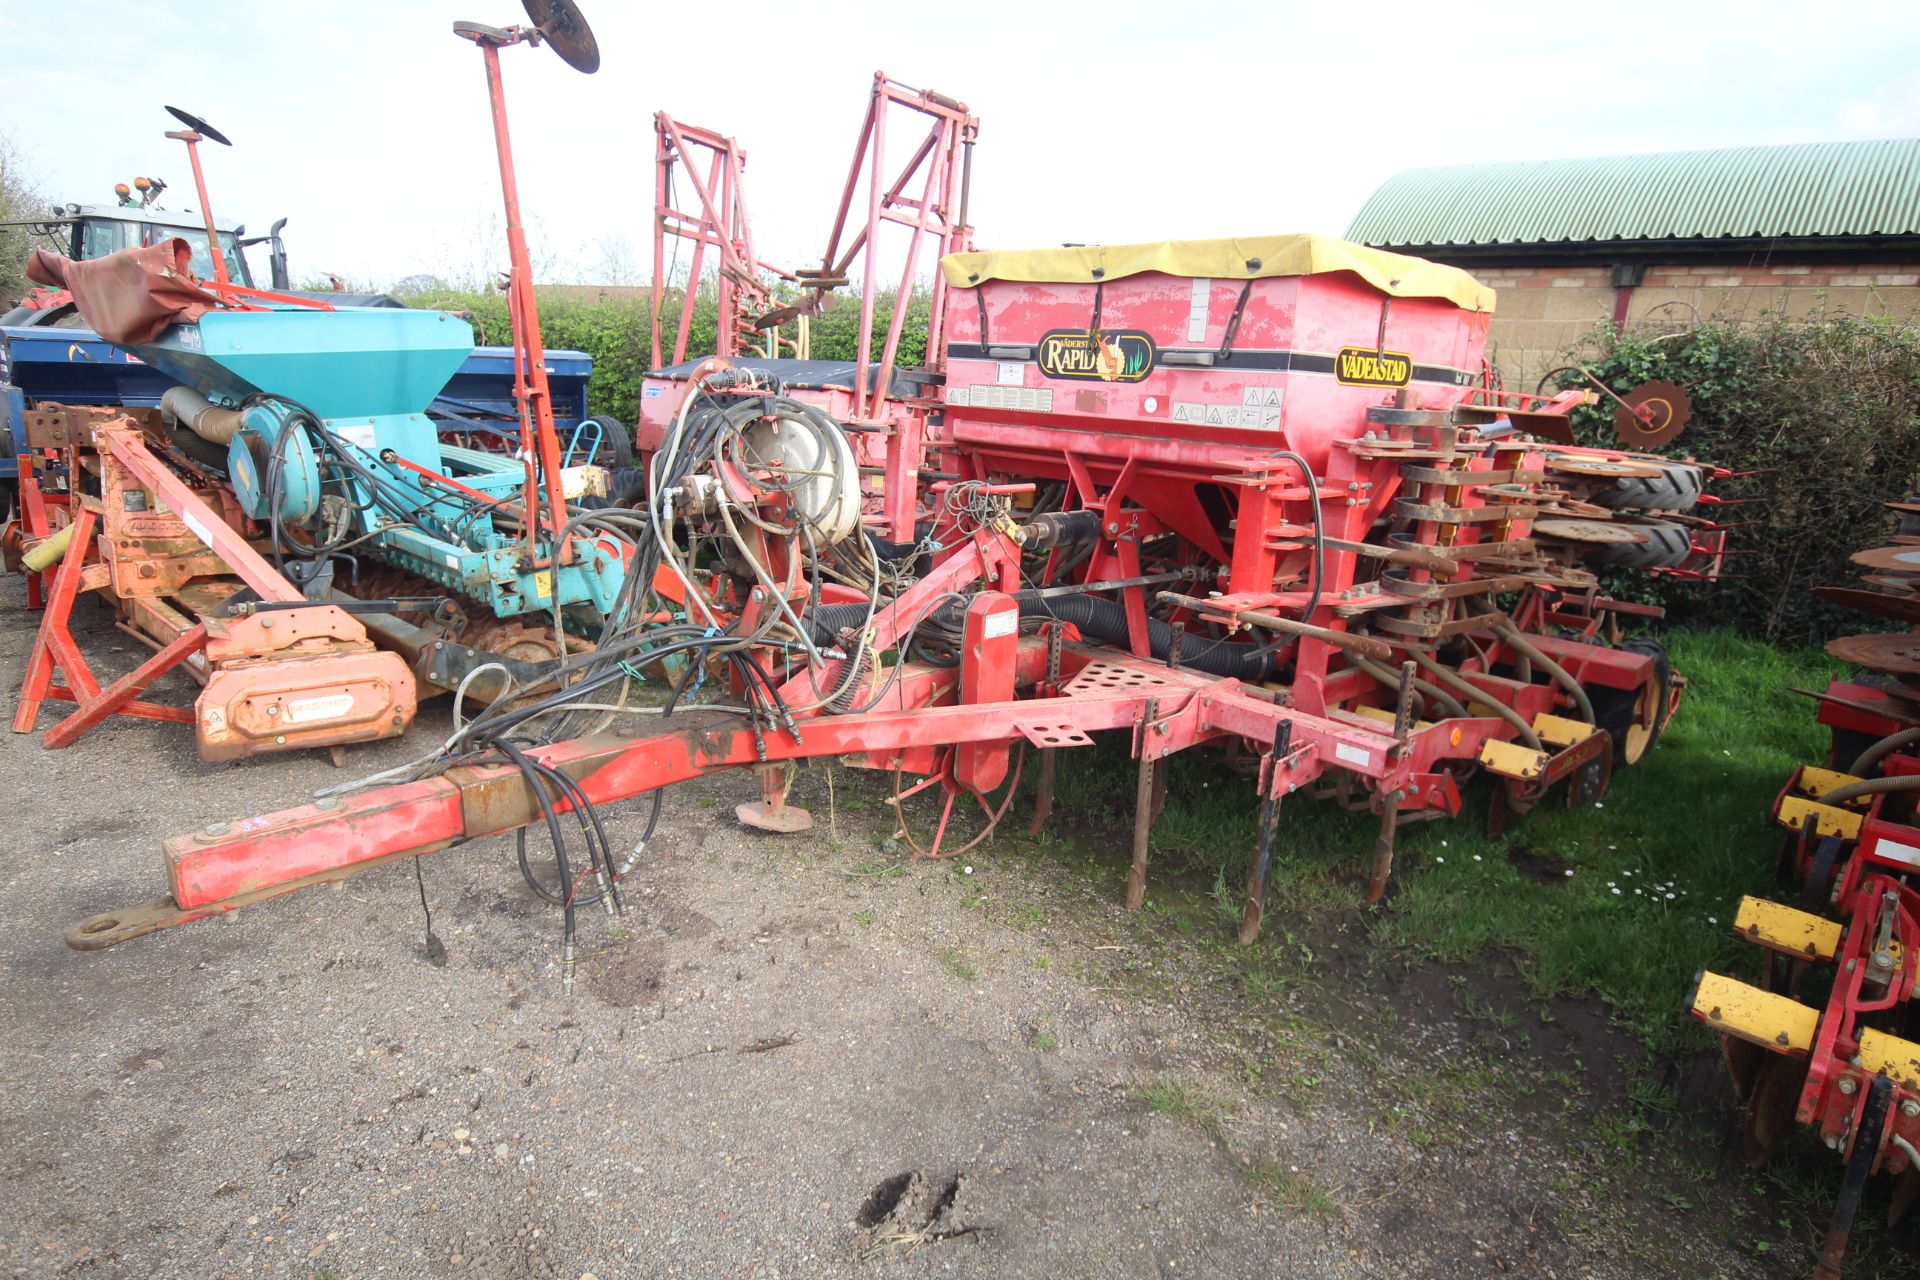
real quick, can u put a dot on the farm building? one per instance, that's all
(1734, 233)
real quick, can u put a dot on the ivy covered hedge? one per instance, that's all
(1821, 418)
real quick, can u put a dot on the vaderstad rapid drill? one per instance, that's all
(1240, 494)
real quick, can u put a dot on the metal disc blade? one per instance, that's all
(1897, 584)
(1881, 604)
(199, 126)
(560, 22)
(1601, 468)
(777, 316)
(1593, 531)
(1892, 559)
(1654, 413)
(1896, 655)
(1770, 1106)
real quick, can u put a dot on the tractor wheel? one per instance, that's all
(616, 444)
(1909, 526)
(1666, 545)
(1676, 488)
(1633, 716)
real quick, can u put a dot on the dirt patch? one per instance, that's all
(1541, 868)
(625, 974)
(764, 1040)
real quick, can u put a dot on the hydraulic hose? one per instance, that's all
(1471, 694)
(1391, 678)
(1880, 750)
(1871, 787)
(200, 415)
(1521, 645)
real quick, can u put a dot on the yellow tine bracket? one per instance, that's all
(1816, 782)
(1827, 820)
(1788, 930)
(1760, 1017)
(1385, 716)
(1560, 732)
(1890, 1056)
(1512, 760)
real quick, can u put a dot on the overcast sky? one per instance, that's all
(365, 121)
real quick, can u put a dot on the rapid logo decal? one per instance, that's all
(1112, 355)
(1363, 367)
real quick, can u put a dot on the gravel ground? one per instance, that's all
(774, 1065)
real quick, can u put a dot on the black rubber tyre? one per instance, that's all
(1667, 546)
(1817, 894)
(1847, 746)
(1634, 716)
(1676, 488)
(616, 443)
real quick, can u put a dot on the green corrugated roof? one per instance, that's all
(1806, 189)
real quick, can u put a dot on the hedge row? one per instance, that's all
(1820, 418)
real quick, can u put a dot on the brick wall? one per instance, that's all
(1545, 311)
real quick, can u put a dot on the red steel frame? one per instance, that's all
(943, 158)
(315, 648)
(891, 433)
(1876, 969)
(54, 650)
(958, 727)
(1875, 901)
(721, 222)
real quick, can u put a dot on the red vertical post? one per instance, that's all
(192, 139)
(862, 402)
(536, 405)
(662, 170)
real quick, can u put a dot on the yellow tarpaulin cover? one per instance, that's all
(1298, 255)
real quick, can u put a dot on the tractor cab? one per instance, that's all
(99, 230)
(87, 231)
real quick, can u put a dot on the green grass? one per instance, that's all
(1294, 1193)
(956, 963)
(878, 870)
(1173, 1098)
(1657, 870)
(1691, 820)
(868, 916)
